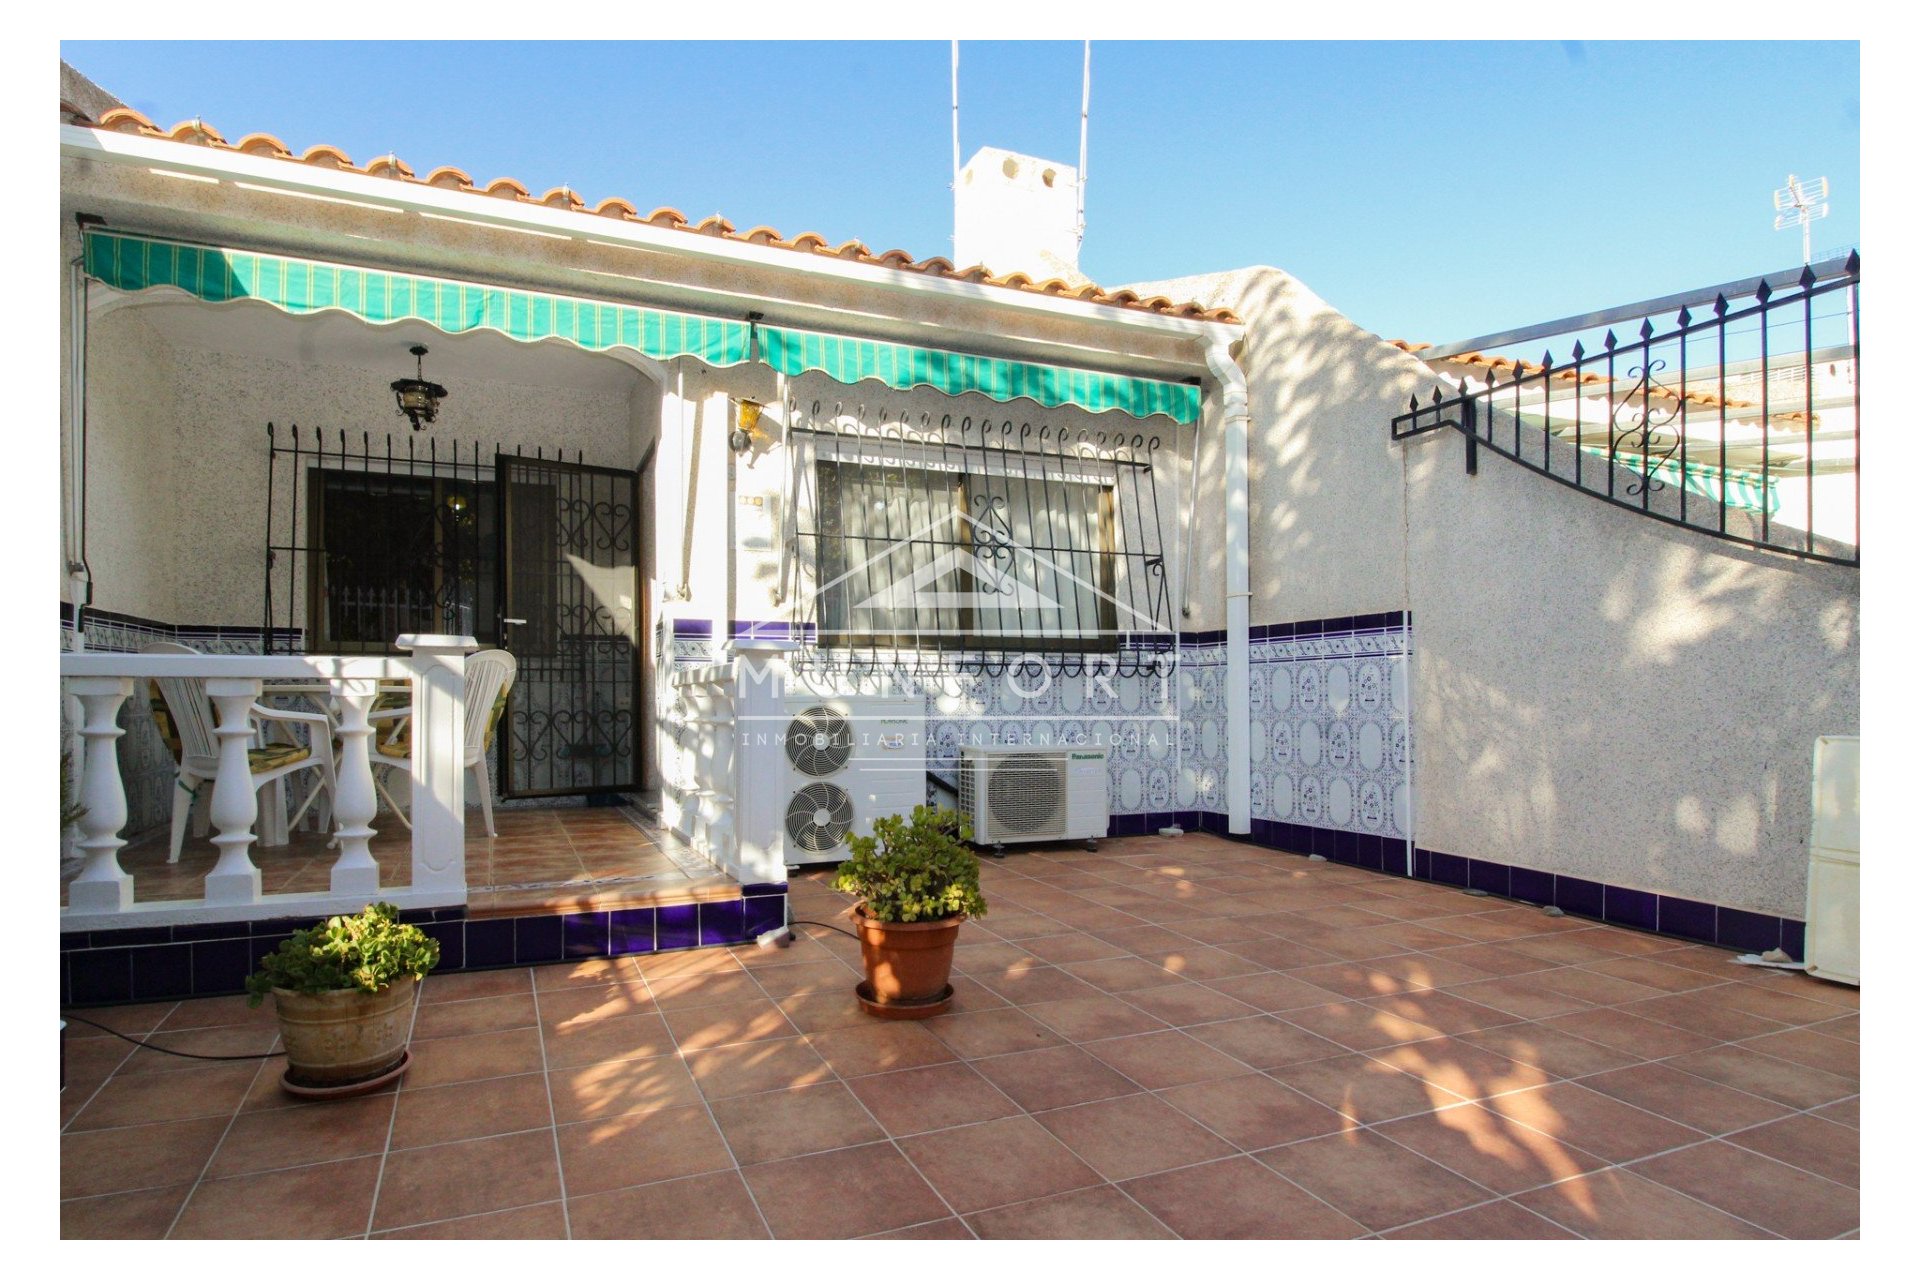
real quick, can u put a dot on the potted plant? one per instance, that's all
(344, 990)
(917, 880)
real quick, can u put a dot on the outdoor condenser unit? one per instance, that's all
(1016, 794)
(849, 760)
(1833, 871)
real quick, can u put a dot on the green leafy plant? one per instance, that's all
(347, 953)
(914, 868)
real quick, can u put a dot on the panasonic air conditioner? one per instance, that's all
(849, 760)
(1017, 794)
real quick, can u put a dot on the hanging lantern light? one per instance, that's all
(418, 399)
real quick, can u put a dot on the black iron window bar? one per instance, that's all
(1705, 424)
(409, 542)
(996, 545)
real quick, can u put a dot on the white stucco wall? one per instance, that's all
(1595, 694)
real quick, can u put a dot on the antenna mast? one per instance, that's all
(1086, 90)
(956, 114)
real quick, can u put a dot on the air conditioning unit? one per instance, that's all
(1016, 794)
(1833, 871)
(849, 760)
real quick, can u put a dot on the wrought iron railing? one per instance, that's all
(1739, 419)
(922, 545)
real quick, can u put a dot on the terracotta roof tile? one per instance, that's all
(1522, 368)
(446, 177)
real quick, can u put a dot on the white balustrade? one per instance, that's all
(103, 896)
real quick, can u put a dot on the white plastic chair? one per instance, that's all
(490, 674)
(192, 720)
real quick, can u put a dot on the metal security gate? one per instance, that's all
(571, 613)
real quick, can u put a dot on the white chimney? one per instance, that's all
(1018, 213)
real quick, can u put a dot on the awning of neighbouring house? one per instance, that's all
(303, 286)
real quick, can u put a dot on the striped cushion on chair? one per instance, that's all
(163, 719)
(261, 759)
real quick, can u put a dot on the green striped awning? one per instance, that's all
(303, 286)
(794, 351)
(1739, 490)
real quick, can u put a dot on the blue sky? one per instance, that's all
(1429, 190)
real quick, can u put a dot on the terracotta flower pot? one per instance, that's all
(341, 1038)
(906, 963)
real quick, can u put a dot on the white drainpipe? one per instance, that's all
(74, 534)
(1233, 394)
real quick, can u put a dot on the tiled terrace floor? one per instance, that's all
(557, 859)
(1190, 1037)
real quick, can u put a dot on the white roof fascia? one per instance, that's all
(118, 148)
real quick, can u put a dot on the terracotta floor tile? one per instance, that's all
(1255, 1111)
(811, 977)
(711, 1206)
(211, 1040)
(1096, 1213)
(1130, 1136)
(1036, 984)
(827, 1010)
(1461, 1068)
(475, 985)
(1616, 1204)
(495, 1173)
(1686, 1099)
(756, 1068)
(842, 1194)
(1359, 1026)
(130, 1215)
(1807, 1142)
(1496, 960)
(1846, 1112)
(677, 965)
(572, 1007)
(1704, 1012)
(1163, 1059)
(1623, 1031)
(925, 1098)
(794, 1122)
(477, 1057)
(1362, 1089)
(214, 1011)
(1773, 1078)
(1100, 1017)
(1522, 997)
(531, 1222)
(1353, 979)
(1496, 1220)
(315, 1202)
(1810, 1047)
(1651, 971)
(475, 1109)
(1066, 948)
(1265, 1042)
(213, 1090)
(1124, 973)
(1577, 1116)
(1270, 992)
(695, 990)
(1534, 1044)
(1183, 1004)
(130, 1019)
(1485, 1147)
(624, 1151)
(599, 972)
(711, 1026)
(473, 1017)
(138, 1158)
(942, 1229)
(1444, 1011)
(993, 1031)
(310, 1134)
(624, 1087)
(1279, 953)
(879, 1046)
(1057, 1077)
(640, 1035)
(1238, 1199)
(1377, 1183)
(1000, 1162)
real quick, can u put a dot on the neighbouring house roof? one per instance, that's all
(1524, 368)
(199, 133)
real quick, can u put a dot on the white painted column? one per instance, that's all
(759, 759)
(101, 885)
(438, 777)
(234, 877)
(354, 799)
(1233, 395)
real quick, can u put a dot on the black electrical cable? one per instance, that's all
(822, 923)
(177, 1053)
